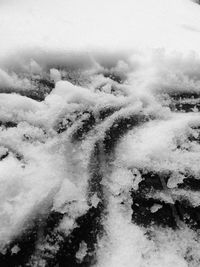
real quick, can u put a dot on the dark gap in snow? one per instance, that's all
(184, 95)
(8, 124)
(44, 242)
(44, 83)
(31, 249)
(48, 241)
(86, 125)
(89, 229)
(63, 125)
(190, 183)
(25, 245)
(52, 221)
(96, 175)
(38, 89)
(119, 128)
(4, 155)
(116, 77)
(17, 155)
(182, 101)
(76, 77)
(38, 95)
(92, 119)
(166, 215)
(107, 111)
(195, 137)
(143, 216)
(189, 214)
(186, 107)
(88, 122)
(151, 180)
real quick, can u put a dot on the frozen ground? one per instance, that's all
(100, 133)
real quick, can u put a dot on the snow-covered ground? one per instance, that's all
(100, 133)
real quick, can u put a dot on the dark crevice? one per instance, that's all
(89, 121)
(86, 125)
(26, 243)
(89, 230)
(35, 94)
(143, 216)
(8, 124)
(96, 172)
(190, 183)
(44, 231)
(190, 215)
(114, 76)
(171, 215)
(119, 128)
(151, 180)
(184, 95)
(38, 91)
(4, 155)
(106, 112)
(45, 83)
(186, 107)
(182, 101)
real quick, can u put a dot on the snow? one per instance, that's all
(155, 208)
(74, 30)
(161, 153)
(128, 56)
(55, 75)
(82, 251)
